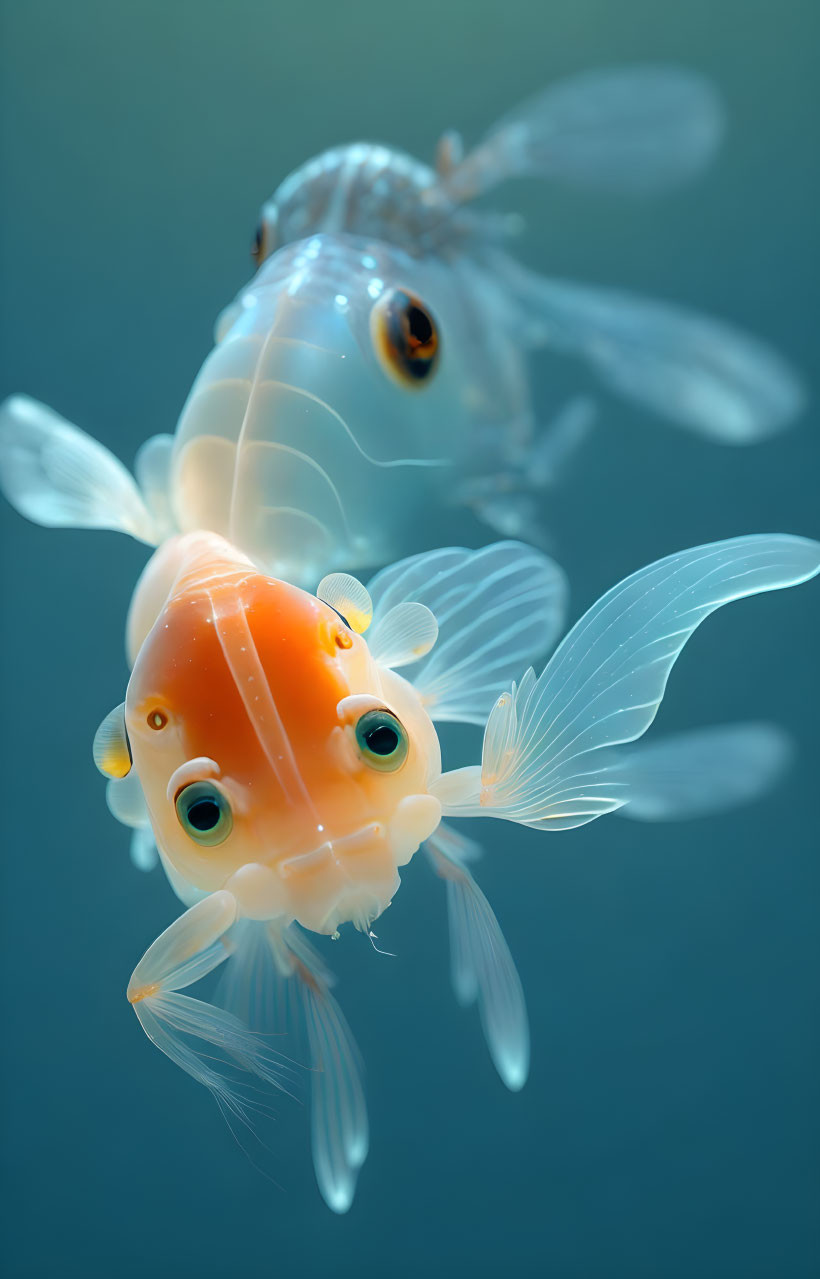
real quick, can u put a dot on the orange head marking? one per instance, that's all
(277, 758)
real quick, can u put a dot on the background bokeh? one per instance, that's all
(671, 1124)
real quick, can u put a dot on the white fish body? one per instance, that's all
(379, 360)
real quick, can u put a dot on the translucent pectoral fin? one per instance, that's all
(403, 635)
(641, 128)
(700, 773)
(56, 475)
(126, 802)
(279, 985)
(482, 968)
(143, 848)
(208, 1043)
(350, 599)
(696, 372)
(496, 609)
(543, 763)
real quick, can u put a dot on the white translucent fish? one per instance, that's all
(380, 359)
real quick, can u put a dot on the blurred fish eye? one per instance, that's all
(157, 719)
(406, 338)
(382, 740)
(259, 246)
(204, 813)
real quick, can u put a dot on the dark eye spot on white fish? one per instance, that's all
(259, 245)
(405, 337)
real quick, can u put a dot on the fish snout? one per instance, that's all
(346, 879)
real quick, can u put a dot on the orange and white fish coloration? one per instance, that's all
(277, 749)
(288, 771)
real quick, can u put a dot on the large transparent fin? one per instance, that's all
(696, 372)
(211, 1045)
(496, 609)
(481, 966)
(702, 772)
(542, 762)
(278, 985)
(56, 475)
(642, 129)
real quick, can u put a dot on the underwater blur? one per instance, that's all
(669, 1124)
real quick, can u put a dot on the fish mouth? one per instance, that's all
(348, 879)
(354, 877)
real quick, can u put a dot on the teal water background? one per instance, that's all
(671, 1125)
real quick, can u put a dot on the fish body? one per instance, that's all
(379, 362)
(288, 771)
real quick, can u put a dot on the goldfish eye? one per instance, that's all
(382, 740)
(405, 336)
(259, 246)
(204, 813)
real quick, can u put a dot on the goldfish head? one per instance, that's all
(278, 759)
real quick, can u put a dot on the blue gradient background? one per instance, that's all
(670, 1126)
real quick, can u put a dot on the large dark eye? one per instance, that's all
(204, 813)
(405, 336)
(382, 740)
(259, 247)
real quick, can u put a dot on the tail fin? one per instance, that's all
(693, 371)
(641, 129)
(276, 984)
(703, 772)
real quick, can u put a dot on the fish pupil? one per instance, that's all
(382, 740)
(204, 814)
(419, 325)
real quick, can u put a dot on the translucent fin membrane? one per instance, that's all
(111, 751)
(143, 849)
(349, 598)
(640, 128)
(339, 1129)
(56, 475)
(126, 802)
(542, 759)
(482, 968)
(188, 1030)
(277, 983)
(403, 635)
(701, 773)
(152, 466)
(496, 609)
(207, 1042)
(696, 372)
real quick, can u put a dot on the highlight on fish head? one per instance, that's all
(278, 759)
